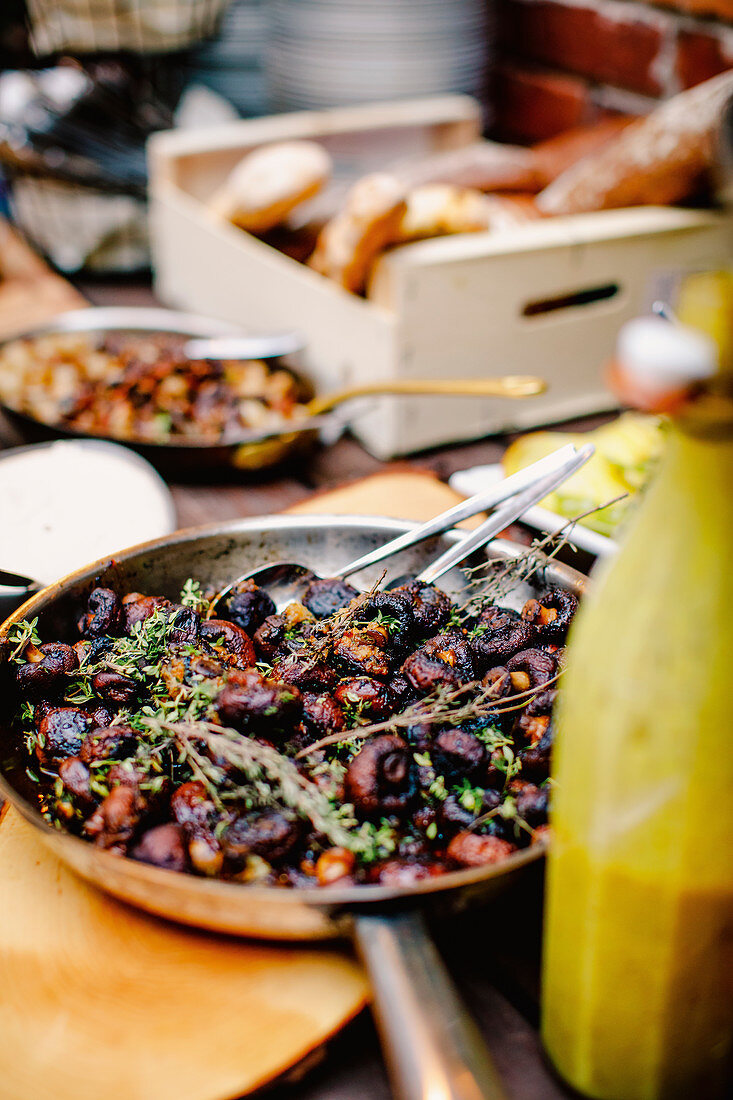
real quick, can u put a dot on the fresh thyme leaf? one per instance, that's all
(20, 636)
(272, 776)
(192, 596)
(444, 706)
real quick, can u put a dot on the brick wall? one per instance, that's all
(564, 63)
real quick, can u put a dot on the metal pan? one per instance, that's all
(433, 1049)
(185, 459)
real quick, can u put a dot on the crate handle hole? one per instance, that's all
(565, 301)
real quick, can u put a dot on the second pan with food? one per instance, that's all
(435, 1045)
(155, 396)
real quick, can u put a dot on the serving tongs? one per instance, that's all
(15, 589)
(285, 581)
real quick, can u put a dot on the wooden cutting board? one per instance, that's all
(30, 293)
(97, 999)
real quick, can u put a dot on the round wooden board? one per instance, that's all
(97, 999)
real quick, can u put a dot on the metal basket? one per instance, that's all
(145, 26)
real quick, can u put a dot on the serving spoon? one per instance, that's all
(286, 580)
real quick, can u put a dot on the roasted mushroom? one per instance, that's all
(327, 595)
(247, 606)
(381, 777)
(163, 846)
(103, 614)
(364, 697)
(270, 836)
(552, 614)
(61, 732)
(250, 701)
(46, 669)
(229, 642)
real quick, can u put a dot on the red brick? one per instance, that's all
(720, 9)
(703, 53)
(535, 104)
(610, 42)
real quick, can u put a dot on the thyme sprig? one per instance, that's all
(192, 596)
(20, 636)
(445, 707)
(272, 776)
(492, 580)
(318, 644)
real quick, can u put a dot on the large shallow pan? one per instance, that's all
(433, 1049)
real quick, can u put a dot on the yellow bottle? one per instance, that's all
(638, 959)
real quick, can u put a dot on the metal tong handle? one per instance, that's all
(488, 498)
(511, 511)
(433, 1049)
(15, 589)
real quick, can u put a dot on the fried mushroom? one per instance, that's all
(46, 669)
(381, 777)
(327, 595)
(255, 703)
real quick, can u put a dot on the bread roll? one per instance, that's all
(438, 209)
(662, 158)
(368, 221)
(269, 182)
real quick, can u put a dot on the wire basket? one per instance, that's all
(80, 228)
(145, 26)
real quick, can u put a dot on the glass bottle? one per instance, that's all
(638, 954)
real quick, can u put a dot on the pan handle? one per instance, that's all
(433, 1049)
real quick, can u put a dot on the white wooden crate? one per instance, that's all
(454, 306)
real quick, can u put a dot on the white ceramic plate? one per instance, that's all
(66, 503)
(478, 478)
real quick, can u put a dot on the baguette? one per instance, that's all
(663, 158)
(556, 154)
(482, 165)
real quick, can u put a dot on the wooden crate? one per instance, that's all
(545, 298)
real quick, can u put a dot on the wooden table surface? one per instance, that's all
(493, 952)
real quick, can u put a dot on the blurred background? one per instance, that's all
(79, 95)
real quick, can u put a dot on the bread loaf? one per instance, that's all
(662, 158)
(557, 154)
(482, 165)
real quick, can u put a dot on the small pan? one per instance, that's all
(433, 1049)
(179, 459)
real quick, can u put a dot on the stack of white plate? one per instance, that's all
(231, 63)
(327, 53)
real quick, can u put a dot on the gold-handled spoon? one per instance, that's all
(317, 412)
(264, 446)
(508, 385)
